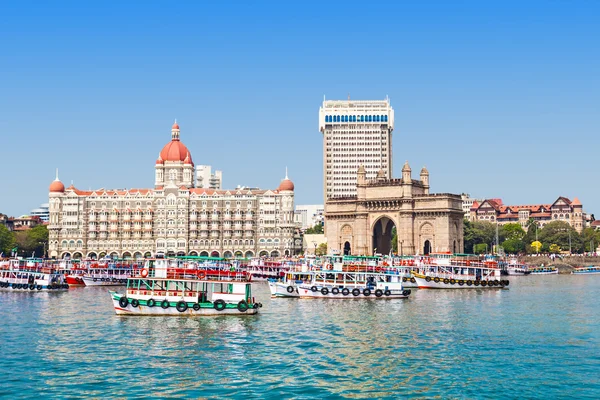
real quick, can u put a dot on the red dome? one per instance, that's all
(57, 186)
(286, 184)
(175, 151)
(175, 125)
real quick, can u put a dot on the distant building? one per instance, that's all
(563, 209)
(355, 133)
(23, 222)
(43, 212)
(467, 203)
(206, 179)
(307, 216)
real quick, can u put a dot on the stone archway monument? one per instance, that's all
(363, 223)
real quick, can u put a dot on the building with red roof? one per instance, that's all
(174, 218)
(562, 209)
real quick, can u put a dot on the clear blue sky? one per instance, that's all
(497, 100)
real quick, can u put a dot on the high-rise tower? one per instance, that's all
(355, 132)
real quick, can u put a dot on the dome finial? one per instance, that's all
(56, 175)
(286, 176)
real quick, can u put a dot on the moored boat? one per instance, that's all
(543, 270)
(339, 282)
(591, 269)
(472, 276)
(21, 275)
(159, 290)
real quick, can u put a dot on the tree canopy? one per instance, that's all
(7, 240)
(317, 229)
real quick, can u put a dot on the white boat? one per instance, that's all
(160, 290)
(339, 284)
(592, 269)
(473, 276)
(542, 270)
(25, 275)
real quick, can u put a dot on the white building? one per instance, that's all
(467, 203)
(355, 132)
(174, 218)
(206, 179)
(43, 212)
(307, 216)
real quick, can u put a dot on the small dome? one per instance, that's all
(57, 187)
(159, 160)
(286, 184)
(188, 160)
(175, 125)
(424, 171)
(406, 167)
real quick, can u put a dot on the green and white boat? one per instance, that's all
(160, 290)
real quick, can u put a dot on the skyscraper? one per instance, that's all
(355, 132)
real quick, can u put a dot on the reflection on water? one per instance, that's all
(539, 339)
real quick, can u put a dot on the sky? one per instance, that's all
(497, 99)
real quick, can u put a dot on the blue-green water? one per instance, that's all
(540, 339)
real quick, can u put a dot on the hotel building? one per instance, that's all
(355, 132)
(174, 218)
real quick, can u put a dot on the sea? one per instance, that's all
(540, 339)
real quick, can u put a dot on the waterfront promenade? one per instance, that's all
(539, 339)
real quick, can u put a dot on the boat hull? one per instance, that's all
(88, 281)
(280, 289)
(306, 292)
(74, 280)
(157, 310)
(423, 283)
(20, 288)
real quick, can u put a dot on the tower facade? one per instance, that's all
(355, 132)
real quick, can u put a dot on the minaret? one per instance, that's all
(425, 179)
(159, 169)
(175, 131)
(407, 180)
(361, 181)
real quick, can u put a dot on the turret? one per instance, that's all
(425, 179)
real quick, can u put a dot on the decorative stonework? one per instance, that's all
(424, 222)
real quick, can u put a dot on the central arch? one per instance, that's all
(382, 235)
(347, 249)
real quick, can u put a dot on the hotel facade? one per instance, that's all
(355, 133)
(173, 218)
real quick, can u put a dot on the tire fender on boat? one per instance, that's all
(219, 305)
(290, 289)
(242, 306)
(123, 302)
(181, 306)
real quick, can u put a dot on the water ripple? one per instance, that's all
(540, 339)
